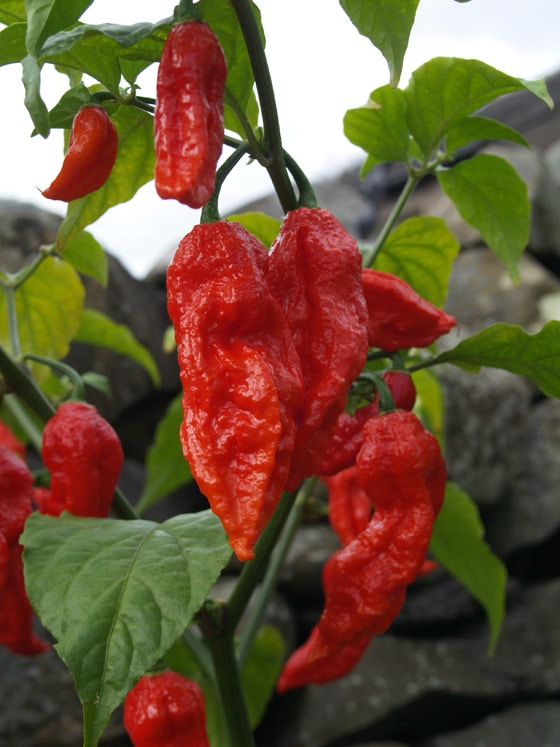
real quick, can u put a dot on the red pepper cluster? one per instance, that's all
(84, 456)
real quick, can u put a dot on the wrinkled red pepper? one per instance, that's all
(241, 376)
(10, 440)
(315, 273)
(403, 472)
(398, 317)
(189, 116)
(84, 456)
(166, 710)
(16, 614)
(90, 157)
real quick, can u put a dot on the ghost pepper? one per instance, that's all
(241, 376)
(403, 472)
(166, 710)
(315, 273)
(189, 114)
(398, 317)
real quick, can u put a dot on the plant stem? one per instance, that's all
(407, 190)
(218, 633)
(276, 165)
(19, 382)
(20, 414)
(255, 569)
(273, 571)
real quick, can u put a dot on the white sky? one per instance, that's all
(320, 67)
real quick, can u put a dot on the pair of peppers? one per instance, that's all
(167, 710)
(268, 346)
(84, 456)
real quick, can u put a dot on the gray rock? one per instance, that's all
(311, 548)
(523, 725)
(485, 421)
(531, 513)
(410, 688)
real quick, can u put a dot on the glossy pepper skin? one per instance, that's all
(398, 317)
(189, 114)
(315, 273)
(16, 614)
(241, 376)
(90, 157)
(403, 472)
(166, 710)
(84, 456)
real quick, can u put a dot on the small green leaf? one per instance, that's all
(261, 670)
(46, 17)
(12, 11)
(86, 255)
(260, 225)
(446, 90)
(380, 127)
(98, 329)
(133, 168)
(430, 405)
(468, 130)
(31, 76)
(535, 356)
(48, 309)
(166, 467)
(62, 114)
(491, 196)
(387, 24)
(12, 44)
(457, 543)
(114, 625)
(421, 251)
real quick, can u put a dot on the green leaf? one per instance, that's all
(457, 543)
(468, 130)
(260, 225)
(48, 309)
(46, 17)
(114, 625)
(12, 44)
(98, 329)
(421, 250)
(535, 356)
(31, 76)
(62, 114)
(387, 24)
(220, 15)
(166, 467)
(380, 127)
(124, 36)
(96, 56)
(446, 90)
(261, 670)
(491, 196)
(12, 11)
(430, 404)
(86, 255)
(133, 168)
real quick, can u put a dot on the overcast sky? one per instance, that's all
(320, 67)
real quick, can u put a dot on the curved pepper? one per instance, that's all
(84, 456)
(90, 157)
(241, 376)
(166, 710)
(189, 114)
(402, 470)
(398, 317)
(16, 614)
(315, 273)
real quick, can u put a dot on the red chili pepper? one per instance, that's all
(16, 614)
(350, 507)
(166, 710)
(315, 273)
(402, 470)
(398, 317)
(90, 157)
(189, 118)
(241, 376)
(84, 456)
